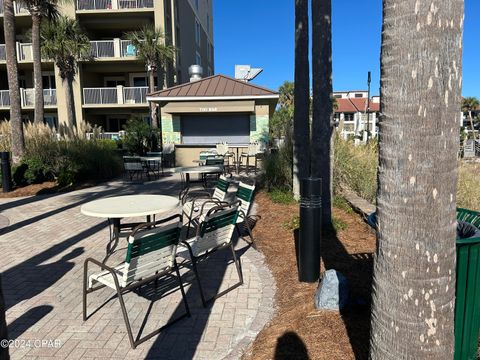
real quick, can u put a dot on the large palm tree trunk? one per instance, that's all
(301, 121)
(37, 68)
(3, 325)
(153, 106)
(322, 127)
(414, 271)
(70, 102)
(18, 141)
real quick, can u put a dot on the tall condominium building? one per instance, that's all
(112, 87)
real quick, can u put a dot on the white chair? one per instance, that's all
(151, 254)
(214, 233)
(252, 151)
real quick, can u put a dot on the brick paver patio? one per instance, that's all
(42, 252)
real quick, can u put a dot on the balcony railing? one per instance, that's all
(115, 95)
(102, 48)
(94, 4)
(100, 96)
(3, 55)
(4, 98)
(49, 97)
(135, 4)
(127, 49)
(25, 52)
(113, 4)
(18, 8)
(27, 98)
(135, 95)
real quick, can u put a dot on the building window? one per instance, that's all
(198, 58)
(358, 95)
(208, 23)
(209, 54)
(209, 72)
(198, 32)
(349, 116)
(337, 96)
(197, 4)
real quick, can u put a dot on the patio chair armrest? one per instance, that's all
(99, 264)
(103, 267)
(200, 195)
(213, 201)
(155, 223)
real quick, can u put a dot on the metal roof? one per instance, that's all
(213, 88)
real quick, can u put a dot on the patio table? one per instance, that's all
(118, 207)
(200, 170)
(153, 163)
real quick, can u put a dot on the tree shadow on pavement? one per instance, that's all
(182, 340)
(358, 269)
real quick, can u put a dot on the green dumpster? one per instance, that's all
(467, 303)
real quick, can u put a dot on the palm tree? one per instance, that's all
(152, 49)
(470, 104)
(322, 117)
(65, 43)
(3, 325)
(39, 9)
(18, 141)
(414, 269)
(301, 121)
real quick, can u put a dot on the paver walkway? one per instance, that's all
(42, 254)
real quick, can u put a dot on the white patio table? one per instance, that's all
(118, 207)
(200, 170)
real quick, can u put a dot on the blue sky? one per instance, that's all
(261, 33)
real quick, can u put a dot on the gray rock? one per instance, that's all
(332, 294)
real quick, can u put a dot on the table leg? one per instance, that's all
(238, 162)
(112, 244)
(186, 187)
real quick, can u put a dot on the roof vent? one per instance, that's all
(195, 72)
(246, 72)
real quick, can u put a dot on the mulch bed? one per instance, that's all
(45, 188)
(298, 330)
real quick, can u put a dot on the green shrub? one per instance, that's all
(355, 167)
(281, 197)
(277, 168)
(139, 137)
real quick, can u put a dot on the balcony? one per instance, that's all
(120, 95)
(27, 98)
(113, 4)
(112, 49)
(18, 7)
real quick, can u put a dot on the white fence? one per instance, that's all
(102, 48)
(94, 4)
(135, 95)
(100, 96)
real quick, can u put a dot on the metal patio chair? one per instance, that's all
(198, 202)
(151, 254)
(215, 232)
(133, 166)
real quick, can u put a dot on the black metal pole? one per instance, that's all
(310, 227)
(6, 172)
(368, 106)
